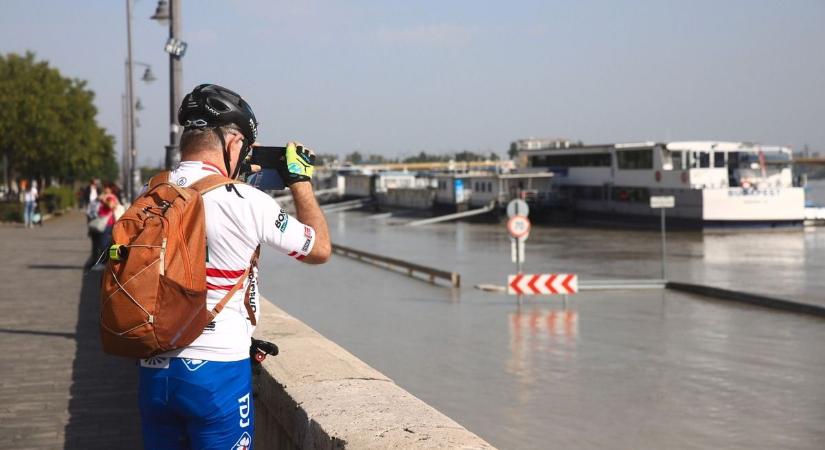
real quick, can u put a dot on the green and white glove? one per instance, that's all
(298, 164)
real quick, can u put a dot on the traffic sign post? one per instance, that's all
(518, 226)
(518, 207)
(663, 202)
(519, 229)
(517, 250)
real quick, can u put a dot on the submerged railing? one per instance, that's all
(412, 269)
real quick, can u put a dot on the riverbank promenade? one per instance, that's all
(57, 388)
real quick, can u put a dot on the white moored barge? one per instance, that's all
(714, 183)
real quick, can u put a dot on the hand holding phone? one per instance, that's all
(261, 168)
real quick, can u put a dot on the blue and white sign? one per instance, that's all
(459, 191)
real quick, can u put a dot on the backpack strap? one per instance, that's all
(246, 303)
(253, 262)
(161, 177)
(203, 186)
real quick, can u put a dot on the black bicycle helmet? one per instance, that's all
(210, 105)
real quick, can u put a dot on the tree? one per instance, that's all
(512, 153)
(47, 124)
(354, 157)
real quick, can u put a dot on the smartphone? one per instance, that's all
(267, 158)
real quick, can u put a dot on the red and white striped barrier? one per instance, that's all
(546, 283)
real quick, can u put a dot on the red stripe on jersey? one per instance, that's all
(213, 168)
(223, 273)
(300, 257)
(293, 253)
(217, 287)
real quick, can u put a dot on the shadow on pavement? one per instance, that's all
(103, 409)
(55, 267)
(38, 333)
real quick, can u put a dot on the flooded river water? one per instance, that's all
(617, 369)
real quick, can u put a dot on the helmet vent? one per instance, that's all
(217, 105)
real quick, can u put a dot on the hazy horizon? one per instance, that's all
(396, 78)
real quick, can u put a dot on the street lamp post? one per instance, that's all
(131, 171)
(130, 100)
(169, 11)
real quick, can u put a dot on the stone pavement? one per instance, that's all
(57, 388)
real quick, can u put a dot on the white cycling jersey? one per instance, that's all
(235, 226)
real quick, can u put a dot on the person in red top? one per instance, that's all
(108, 206)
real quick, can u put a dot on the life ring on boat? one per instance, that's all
(684, 177)
(658, 176)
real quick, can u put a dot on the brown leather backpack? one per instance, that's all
(153, 294)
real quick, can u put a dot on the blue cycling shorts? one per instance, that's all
(196, 404)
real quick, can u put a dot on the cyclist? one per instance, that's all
(200, 396)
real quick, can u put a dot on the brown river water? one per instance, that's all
(649, 369)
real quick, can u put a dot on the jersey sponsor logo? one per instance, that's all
(306, 245)
(282, 220)
(253, 293)
(209, 326)
(181, 181)
(193, 364)
(244, 442)
(243, 409)
(155, 362)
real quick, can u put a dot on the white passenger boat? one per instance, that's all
(714, 183)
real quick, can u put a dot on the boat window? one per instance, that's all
(778, 158)
(630, 194)
(572, 160)
(676, 161)
(719, 159)
(700, 160)
(635, 159)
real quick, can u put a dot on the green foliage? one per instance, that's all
(379, 159)
(47, 123)
(422, 157)
(461, 156)
(11, 212)
(355, 157)
(55, 198)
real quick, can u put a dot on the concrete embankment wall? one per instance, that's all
(315, 394)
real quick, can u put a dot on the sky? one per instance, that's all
(398, 77)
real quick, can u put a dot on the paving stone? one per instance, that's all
(57, 388)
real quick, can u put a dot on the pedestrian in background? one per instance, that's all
(108, 211)
(94, 232)
(89, 194)
(29, 202)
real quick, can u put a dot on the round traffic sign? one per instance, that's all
(517, 207)
(518, 226)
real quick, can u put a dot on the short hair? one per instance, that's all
(198, 139)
